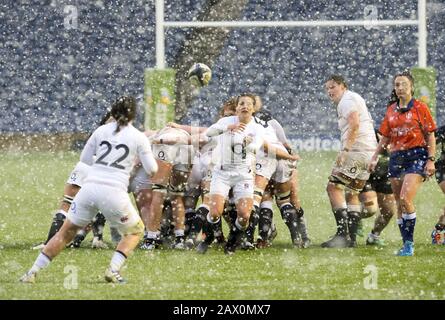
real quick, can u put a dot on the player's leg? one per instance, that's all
(176, 188)
(287, 210)
(387, 208)
(439, 229)
(141, 187)
(216, 208)
(80, 214)
(301, 220)
(410, 186)
(243, 190)
(219, 190)
(354, 212)
(69, 192)
(266, 228)
(121, 214)
(261, 183)
(336, 194)
(191, 196)
(98, 232)
(159, 192)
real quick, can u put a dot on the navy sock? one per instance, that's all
(402, 232)
(409, 222)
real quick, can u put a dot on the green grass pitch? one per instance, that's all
(31, 186)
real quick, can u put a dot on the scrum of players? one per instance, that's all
(234, 170)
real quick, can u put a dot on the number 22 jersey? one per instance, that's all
(115, 155)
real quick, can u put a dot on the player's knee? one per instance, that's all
(136, 230)
(370, 208)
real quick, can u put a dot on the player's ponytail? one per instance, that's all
(123, 111)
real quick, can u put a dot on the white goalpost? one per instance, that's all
(161, 25)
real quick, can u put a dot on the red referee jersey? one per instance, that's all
(407, 130)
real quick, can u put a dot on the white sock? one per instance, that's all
(179, 233)
(153, 234)
(117, 261)
(41, 262)
(374, 236)
(409, 216)
(239, 226)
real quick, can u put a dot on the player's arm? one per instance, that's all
(440, 135)
(354, 125)
(222, 126)
(189, 129)
(383, 145)
(147, 159)
(431, 145)
(279, 153)
(87, 155)
(281, 135)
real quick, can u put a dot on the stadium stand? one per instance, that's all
(55, 79)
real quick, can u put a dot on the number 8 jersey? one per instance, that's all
(116, 154)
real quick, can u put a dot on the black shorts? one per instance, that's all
(378, 180)
(440, 170)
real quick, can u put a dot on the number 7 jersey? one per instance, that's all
(115, 155)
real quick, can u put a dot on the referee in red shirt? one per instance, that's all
(408, 128)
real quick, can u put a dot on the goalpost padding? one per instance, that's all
(159, 97)
(425, 86)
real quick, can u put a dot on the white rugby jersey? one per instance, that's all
(366, 140)
(115, 155)
(271, 127)
(231, 153)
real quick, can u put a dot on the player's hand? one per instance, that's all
(372, 164)
(430, 168)
(237, 127)
(247, 140)
(341, 158)
(173, 125)
(293, 163)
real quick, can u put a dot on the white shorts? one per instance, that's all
(139, 181)
(79, 173)
(241, 182)
(114, 203)
(355, 166)
(283, 172)
(266, 167)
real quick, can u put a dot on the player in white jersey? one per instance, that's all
(278, 167)
(200, 177)
(358, 143)
(239, 138)
(71, 188)
(116, 146)
(174, 166)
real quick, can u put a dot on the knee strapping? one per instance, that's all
(283, 196)
(258, 192)
(68, 199)
(156, 187)
(176, 190)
